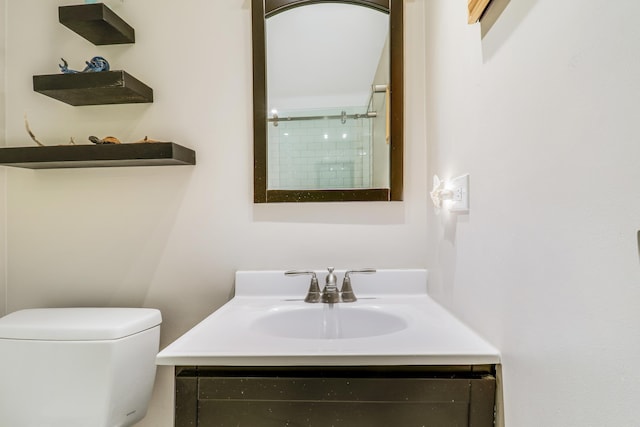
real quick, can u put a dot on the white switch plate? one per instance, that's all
(460, 188)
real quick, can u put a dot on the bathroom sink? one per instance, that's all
(328, 321)
(267, 323)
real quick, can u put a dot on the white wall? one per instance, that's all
(172, 237)
(3, 255)
(543, 114)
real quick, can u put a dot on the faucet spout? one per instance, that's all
(330, 293)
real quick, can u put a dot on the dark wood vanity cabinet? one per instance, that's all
(399, 396)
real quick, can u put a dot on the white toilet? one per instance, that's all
(77, 367)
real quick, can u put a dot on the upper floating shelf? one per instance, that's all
(96, 23)
(104, 87)
(101, 155)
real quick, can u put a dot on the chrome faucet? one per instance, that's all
(330, 294)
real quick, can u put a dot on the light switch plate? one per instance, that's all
(460, 188)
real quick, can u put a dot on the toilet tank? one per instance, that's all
(77, 367)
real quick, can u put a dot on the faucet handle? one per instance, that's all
(313, 294)
(361, 271)
(299, 273)
(347, 290)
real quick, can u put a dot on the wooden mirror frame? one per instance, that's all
(261, 10)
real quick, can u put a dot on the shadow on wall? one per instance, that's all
(361, 213)
(506, 25)
(447, 251)
(96, 238)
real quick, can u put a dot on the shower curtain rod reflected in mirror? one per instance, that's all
(343, 117)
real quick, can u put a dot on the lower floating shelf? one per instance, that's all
(102, 155)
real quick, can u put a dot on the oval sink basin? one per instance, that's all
(323, 321)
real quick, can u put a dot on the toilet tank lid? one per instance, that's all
(77, 324)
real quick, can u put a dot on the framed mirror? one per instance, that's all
(328, 100)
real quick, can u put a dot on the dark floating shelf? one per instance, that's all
(102, 155)
(104, 87)
(96, 23)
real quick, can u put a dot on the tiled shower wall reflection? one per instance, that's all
(320, 154)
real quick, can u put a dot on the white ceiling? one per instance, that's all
(324, 55)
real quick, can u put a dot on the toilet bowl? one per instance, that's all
(77, 367)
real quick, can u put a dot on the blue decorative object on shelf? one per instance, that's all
(97, 63)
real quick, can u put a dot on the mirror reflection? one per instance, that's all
(327, 79)
(327, 122)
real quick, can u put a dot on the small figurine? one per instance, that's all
(97, 64)
(105, 140)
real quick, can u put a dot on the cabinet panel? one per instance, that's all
(336, 396)
(481, 400)
(334, 389)
(186, 406)
(331, 413)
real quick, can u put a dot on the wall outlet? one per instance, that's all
(460, 188)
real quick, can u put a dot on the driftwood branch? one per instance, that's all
(26, 125)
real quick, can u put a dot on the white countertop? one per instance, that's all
(231, 336)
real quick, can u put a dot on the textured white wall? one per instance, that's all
(543, 114)
(172, 237)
